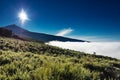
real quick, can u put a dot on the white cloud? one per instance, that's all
(95, 38)
(111, 49)
(64, 32)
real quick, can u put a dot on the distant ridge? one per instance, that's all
(38, 36)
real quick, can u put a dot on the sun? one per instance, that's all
(23, 16)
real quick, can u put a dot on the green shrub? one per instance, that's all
(25, 60)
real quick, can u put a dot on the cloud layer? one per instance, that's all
(111, 49)
(94, 38)
(64, 32)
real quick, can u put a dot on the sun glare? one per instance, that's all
(23, 16)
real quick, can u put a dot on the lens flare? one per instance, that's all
(23, 16)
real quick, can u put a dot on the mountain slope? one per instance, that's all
(27, 60)
(38, 36)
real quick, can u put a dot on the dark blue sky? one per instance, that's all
(89, 19)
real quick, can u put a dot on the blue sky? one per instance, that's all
(96, 20)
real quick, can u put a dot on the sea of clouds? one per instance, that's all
(111, 49)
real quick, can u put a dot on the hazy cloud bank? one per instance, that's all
(101, 48)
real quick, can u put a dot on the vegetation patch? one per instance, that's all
(29, 60)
